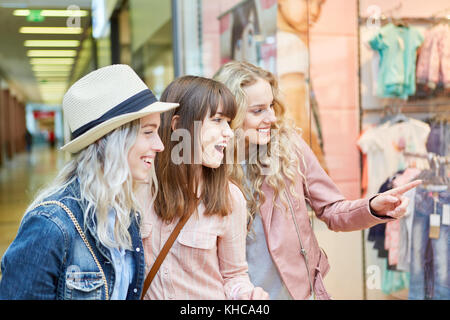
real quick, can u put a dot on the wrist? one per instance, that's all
(372, 210)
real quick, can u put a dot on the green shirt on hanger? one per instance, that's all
(397, 46)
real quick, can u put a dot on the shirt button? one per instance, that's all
(138, 249)
(135, 290)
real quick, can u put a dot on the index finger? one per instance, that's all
(406, 187)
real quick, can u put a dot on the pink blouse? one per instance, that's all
(433, 64)
(207, 261)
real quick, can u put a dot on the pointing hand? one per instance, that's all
(392, 203)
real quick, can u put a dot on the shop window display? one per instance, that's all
(405, 132)
(329, 58)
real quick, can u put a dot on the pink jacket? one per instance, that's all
(282, 237)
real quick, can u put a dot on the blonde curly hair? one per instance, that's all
(283, 156)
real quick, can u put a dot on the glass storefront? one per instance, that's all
(326, 55)
(367, 81)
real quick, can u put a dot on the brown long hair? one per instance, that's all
(178, 183)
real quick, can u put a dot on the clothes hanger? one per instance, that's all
(432, 180)
(387, 115)
(398, 116)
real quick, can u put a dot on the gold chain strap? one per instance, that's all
(83, 237)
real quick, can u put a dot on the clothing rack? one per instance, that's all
(414, 108)
(430, 156)
(437, 13)
(409, 20)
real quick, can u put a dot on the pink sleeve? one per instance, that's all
(423, 60)
(444, 55)
(329, 204)
(433, 72)
(231, 249)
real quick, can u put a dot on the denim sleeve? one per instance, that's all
(32, 264)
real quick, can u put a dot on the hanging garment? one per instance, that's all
(395, 239)
(391, 241)
(397, 47)
(393, 281)
(384, 146)
(439, 138)
(433, 62)
(377, 233)
(404, 245)
(430, 264)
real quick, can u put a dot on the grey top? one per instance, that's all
(261, 269)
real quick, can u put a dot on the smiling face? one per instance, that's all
(260, 115)
(143, 152)
(215, 135)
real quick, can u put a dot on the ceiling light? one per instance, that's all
(50, 72)
(64, 13)
(21, 12)
(51, 43)
(51, 53)
(51, 30)
(53, 61)
(44, 67)
(53, 13)
(53, 84)
(52, 94)
(60, 91)
(49, 75)
(45, 80)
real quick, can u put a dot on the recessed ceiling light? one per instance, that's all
(52, 13)
(21, 12)
(59, 61)
(53, 74)
(51, 30)
(51, 53)
(51, 68)
(51, 43)
(49, 80)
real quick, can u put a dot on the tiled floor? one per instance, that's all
(20, 179)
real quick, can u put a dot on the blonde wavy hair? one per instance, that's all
(280, 156)
(105, 184)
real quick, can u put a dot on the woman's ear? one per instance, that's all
(174, 123)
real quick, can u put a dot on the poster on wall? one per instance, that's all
(294, 20)
(247, 33)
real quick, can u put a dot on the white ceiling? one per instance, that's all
(14, 63)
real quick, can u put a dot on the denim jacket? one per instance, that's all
(49, 260)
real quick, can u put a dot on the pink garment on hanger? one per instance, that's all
(391, 240)
(392, 232)
(433, 65)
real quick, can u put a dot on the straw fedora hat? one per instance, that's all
(104, 100)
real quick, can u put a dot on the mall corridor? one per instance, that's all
(20, 179)
(366, 81)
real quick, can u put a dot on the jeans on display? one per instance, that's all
(429, 267)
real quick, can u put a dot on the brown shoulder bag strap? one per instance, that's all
(163, 253)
